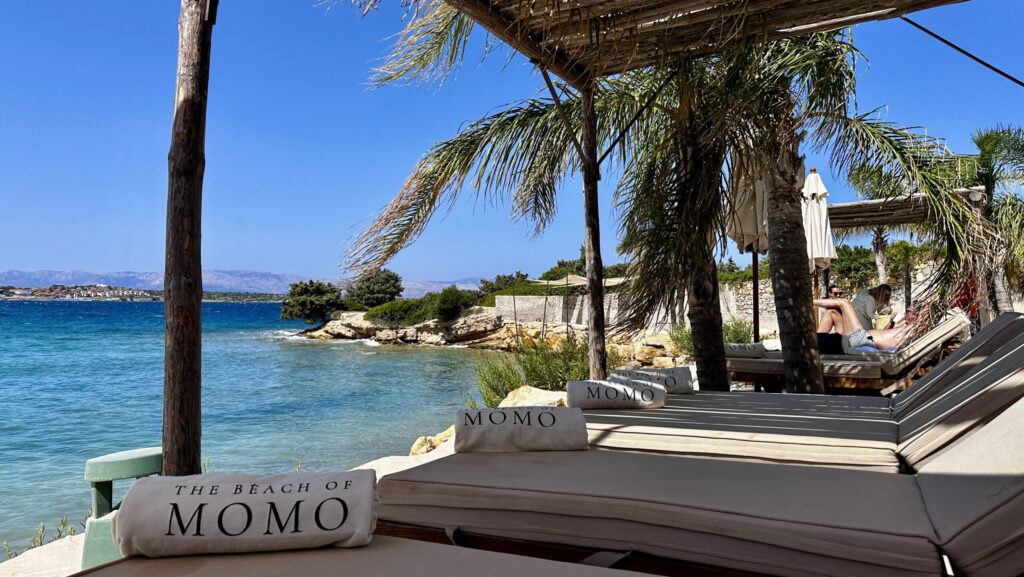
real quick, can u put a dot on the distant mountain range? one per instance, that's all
(243, 281)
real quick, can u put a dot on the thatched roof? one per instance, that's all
(912, 209)
(579, 39)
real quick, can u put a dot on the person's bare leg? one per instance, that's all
(827, 321)
(837, 321)
(889, 338)
(849, 322)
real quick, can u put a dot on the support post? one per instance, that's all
(592, 235)
(183, 285)
(756, 298)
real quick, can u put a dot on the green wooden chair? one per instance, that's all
(100, 473)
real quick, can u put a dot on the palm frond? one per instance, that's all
(430, 48)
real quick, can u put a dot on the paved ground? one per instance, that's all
(57, 559)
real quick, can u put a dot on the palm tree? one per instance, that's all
(757, 102)
(999, 168)
(872, 185)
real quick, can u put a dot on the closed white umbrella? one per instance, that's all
(748, 227)
(821, 248)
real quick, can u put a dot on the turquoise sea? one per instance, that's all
(81, 379)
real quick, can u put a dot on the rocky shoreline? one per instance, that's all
(483, 328)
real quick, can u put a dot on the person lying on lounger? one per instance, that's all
(850, 333)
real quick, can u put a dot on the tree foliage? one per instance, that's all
(446, 306)
(376, 289)
(312, 301)
(502, 281)
(853, 267)
(451, 302)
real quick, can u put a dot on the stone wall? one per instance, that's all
(736, 302)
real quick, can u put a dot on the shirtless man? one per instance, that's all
(843, 318)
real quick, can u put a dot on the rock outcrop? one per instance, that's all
(482, 328)
(527, 396)
(428, 443)
(480, 322)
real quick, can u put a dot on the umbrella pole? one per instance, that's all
(757, 297)
(515, 313)
(544, 318)
(817, 292)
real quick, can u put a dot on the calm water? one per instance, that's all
(82, 379)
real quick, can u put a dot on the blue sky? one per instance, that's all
(301, 153)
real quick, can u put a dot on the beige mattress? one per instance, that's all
(966, 391)
(958, 365)
(779, 520)
(797, 429)
(385, 557)
(994, 385)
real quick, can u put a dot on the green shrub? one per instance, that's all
(682, 338)
(735, 331)
(351, 305)
(738, 331)
(498, 377)
(450, 304)
(312, 301)
(539, 365)
(400, 313)
(406, 312)
(502, 281)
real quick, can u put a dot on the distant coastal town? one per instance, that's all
(102, 292)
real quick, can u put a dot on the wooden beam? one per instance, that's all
(513, 33)
(183, 283)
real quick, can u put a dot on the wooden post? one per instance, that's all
(183, 284)
(756, 299)
(592, 236)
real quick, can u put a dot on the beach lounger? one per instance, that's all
(860, 433)
(385, 557)
(967, 503)
(846, 370)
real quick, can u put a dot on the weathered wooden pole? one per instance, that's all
(592, 235)
(183, 283)
(754, 267)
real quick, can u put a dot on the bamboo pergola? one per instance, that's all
(911, 209)
(582, 39)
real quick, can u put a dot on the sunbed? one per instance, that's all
(873, 434)
(385, 557)
(967, 502)
(877, 369)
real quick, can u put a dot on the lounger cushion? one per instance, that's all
(994, 385)
(974, 493)
(520, 429)
(956, 324)
(818, 430)
(777, 520)
(963, 361)
(844, 367)
(386, 557)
